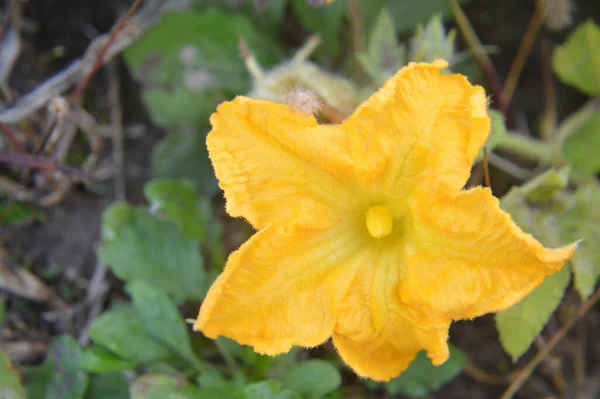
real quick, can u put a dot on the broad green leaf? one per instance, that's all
(122, 332)
(536, 207)
(577, 61)
(498, 131)
(312, 378)
(581, 146)
(581, 221)
(178, 201)
(108, 386)
(384, 55)
(138, 246)
(10, 383)
(558, 220)
(268, 390)
(36, 380)
(183, 155)
(67, 379)
(268, 16)
(325, 21)
(519, 325)
(422, 377)
(162, 320)
(409, 13)
(189, 61)
(168, 387)
(97, 359)
(540, 190)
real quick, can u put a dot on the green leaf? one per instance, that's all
(422, 377)
(160, 317)
(267, 17)
(370, 11)
(183, 155)
(537, 208)
(10, 383)
(122, 332)
(519, 325)
(312, 378)
(96, 359)
(581, 146)
(67, 379)
(581, 220)
(189, 61)
(557, 218)
(431, 42)
(3, 312)
(179, 202)
(498, 131)
(108, 386)
(268, 390)
(36, 379)
(325, 21)
(138, 246)
(168, 387)
(15, 212)
(384, 54)
(577, 61)
(409, 13)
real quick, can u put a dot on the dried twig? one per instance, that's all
(99, 59)
(483, 376)
(486, 168)
(62, 81)
(11, 136)
(478, 51)
(40, 163)
(510, 84)
(549, 115)
(94, 297)
(531, 366)
(116, 119)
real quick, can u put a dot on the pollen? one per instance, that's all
(379, 221)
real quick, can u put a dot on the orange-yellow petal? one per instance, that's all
(373, 333)
(429, 127)
(281, 288)
(466, 257)
(260, 153)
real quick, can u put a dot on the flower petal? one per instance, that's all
(258, 150)
(281, 288)
(466, 257)
(428, 125)
(373, 333)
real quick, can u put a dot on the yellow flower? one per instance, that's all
(364, 231)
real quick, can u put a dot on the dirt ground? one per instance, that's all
(66, 239)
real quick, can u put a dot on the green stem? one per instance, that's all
(227, 356)
(526, 147)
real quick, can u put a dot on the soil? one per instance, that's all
(67, 238)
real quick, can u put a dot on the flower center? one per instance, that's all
(379, 221)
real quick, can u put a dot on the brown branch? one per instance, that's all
(11, 136)
(78, 91)
(486, 168)
(531, 366)
(482, 58)
(514, 75)
(39, 162)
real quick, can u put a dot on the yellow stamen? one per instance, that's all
(379, 221)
